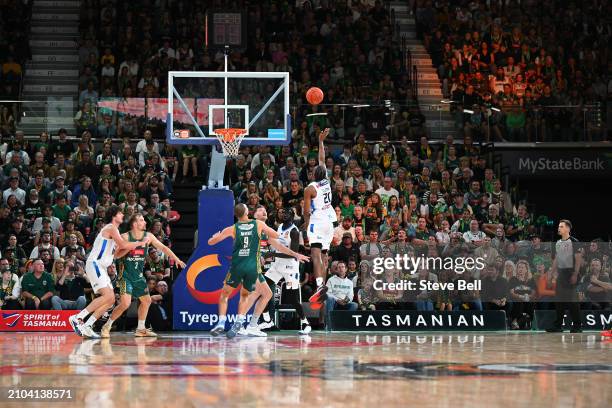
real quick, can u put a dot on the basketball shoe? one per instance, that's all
(218, 329)
(76, 324)
(320, 295)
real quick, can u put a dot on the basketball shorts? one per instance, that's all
(288, 269)
(320, 232)
(135, 286)
(240, 275)
(97, 275)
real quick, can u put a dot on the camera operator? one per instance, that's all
(70, 288)
(73, 249)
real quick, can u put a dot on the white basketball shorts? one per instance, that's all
(97, 275)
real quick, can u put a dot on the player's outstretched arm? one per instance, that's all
(157, 244)
(122, 252)
(322, 137)
(262, 227)
(121, 243)
(294, 245)
(221, 235)
(284, 250)
(273, 241)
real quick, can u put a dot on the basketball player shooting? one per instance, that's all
(100, 258)
(319, 218)
(246, 266)
(131, 282)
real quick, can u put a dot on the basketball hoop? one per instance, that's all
(230, 140)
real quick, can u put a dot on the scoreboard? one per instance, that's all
(226, 29)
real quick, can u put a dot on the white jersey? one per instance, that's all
(102, 251)
(321, 209)
(285, 268)
(284, 236)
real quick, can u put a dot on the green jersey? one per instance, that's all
(246, 251)
(129, 269)
(246, 265)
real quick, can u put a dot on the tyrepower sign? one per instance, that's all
(36, 320)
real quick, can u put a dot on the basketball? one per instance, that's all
(314, 95)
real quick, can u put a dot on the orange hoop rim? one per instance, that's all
(229, 134)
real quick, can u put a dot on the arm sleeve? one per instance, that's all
(295, 240)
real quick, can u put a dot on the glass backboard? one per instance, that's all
(201, 102)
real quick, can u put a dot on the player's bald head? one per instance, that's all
(240, 210)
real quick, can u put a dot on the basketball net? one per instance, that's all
(230, 140)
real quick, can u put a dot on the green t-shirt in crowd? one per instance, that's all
(37, 287)
(347, 211)
(61, 213)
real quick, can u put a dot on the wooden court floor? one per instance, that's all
(322, 370)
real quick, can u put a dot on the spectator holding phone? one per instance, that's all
(70, 288)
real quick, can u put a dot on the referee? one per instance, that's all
(567, 261)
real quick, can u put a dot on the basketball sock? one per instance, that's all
(304, 321)
(109, 322)
(319, 282)
(82, 314)
(222, 320)
(141, 325)
(266, 317)
(91, 321)
(240, 319)
(254, 320)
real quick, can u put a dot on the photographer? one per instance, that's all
(70, 288)
(73, 249)
(160, 315)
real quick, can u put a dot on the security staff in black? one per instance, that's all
(567, 261)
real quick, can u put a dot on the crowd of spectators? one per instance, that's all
(391, 197)
(526, 59)
(345, 48)
(14, 51)
(54, 197)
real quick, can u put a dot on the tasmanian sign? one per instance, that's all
(411, 320)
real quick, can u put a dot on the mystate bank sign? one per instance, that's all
(546, 163)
